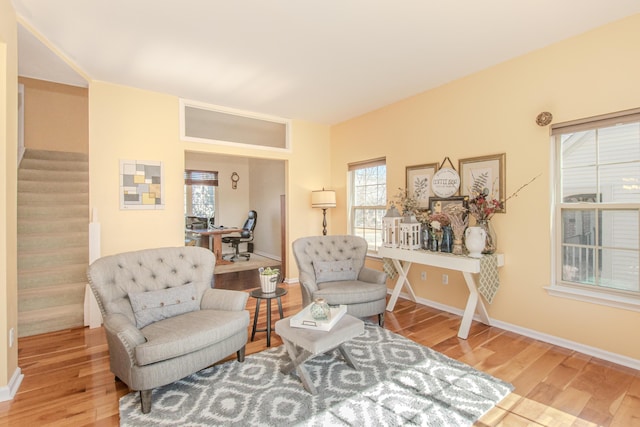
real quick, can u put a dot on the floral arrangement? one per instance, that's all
(408, 202)
(438, 220)
(483, 206)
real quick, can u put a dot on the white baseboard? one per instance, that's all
(9, 391)
(266, 255)
(551, 339)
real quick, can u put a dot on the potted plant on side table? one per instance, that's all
(268, 279)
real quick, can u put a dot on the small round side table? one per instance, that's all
(259, 295)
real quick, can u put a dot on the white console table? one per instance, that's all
(404, 258)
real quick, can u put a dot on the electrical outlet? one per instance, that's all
(445, 279)
(423, 275)
(12, 333)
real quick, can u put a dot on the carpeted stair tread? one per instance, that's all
(56, 275)
(52, 164)
(57, 211)
(33, 241)
(51, 319)
(52, 187)
(48, 199)
(53, 225)
(51, 296)
(51, 258)
(52, 175)
(55, 155)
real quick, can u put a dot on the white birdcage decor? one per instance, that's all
(410, 233)
(391, 227)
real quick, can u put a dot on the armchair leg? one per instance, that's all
(381, 319)
(240, 354)
(145, 399)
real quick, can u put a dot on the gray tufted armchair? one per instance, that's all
(163, 321)
(332, 267)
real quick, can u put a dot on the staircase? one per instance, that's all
(53, 240)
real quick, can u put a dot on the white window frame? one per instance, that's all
(351, 209)
(559, 288)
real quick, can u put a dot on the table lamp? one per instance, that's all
(323, 199)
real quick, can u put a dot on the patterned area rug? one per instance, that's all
(399, 382)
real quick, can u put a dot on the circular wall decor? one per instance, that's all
(445, 182)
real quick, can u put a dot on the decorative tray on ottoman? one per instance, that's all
(304, 320)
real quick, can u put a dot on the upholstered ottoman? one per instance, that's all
(311, 343)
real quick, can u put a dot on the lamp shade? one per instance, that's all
(323, 199)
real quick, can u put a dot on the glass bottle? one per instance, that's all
(491, 244)
(447, 239)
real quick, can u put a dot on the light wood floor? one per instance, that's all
(67, 379)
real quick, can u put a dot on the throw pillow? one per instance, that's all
(331, 271)
(152, 306)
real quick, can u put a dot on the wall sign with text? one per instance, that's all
(446, 182)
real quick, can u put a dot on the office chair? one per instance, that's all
(245, 236)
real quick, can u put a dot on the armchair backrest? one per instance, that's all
(113, 277)
(308, 250)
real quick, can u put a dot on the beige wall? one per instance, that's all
(8, 190)
(56, 116)
(128, 123)
(491, 112)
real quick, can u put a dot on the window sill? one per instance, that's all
(616, 301)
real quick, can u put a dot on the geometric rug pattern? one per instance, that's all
(399, 382)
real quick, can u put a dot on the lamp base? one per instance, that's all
(324, 222)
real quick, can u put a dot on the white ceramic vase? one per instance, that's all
(475, 238)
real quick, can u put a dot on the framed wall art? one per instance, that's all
(437, 204)
(418, 184)
(485, 174)
(141, 184)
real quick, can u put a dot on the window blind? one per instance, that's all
(381, 161)
(605, 120)
(196, 177)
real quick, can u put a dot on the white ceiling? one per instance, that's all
(319, 60)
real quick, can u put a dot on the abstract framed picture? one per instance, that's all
(437, 204)
(418, 183)
(485, 174)
(141, 184)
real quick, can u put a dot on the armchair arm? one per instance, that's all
(308, 286)
(372, 276)
(123, 335)
(223, 299)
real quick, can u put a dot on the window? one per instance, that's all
(597, 208)
(206, 123)
(199, 194)
(368, 200)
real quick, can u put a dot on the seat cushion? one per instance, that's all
(187, 333)
(350, 292)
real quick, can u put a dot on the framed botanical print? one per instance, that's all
(437, 204)
(418, 183)
(485, 174)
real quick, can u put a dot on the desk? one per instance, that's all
(215, 240)
(404, 258)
